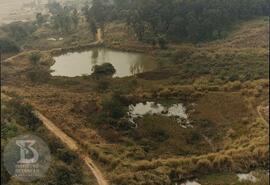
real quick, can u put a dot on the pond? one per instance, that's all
(176, 111)
(81, 63)
(247, 177)
(190, 183)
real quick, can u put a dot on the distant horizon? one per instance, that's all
(8, 8)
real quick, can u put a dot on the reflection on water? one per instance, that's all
(177, 111)
(125, 63)
(95, 56)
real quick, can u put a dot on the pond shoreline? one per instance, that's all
(80, 63)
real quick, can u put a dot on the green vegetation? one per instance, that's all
(19, 31)
(37, 73)
(17, 118)
(64, 19)
(211, 56)
(34, 58)
(103, 70)
(8, 46)
(195, 20)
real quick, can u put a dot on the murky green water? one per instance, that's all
(125, 63)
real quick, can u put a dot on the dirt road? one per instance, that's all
(72, 145)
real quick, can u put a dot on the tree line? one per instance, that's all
(178, 20)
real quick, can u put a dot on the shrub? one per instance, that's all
(38, 75)
(103, 70)
(194, 137)
(24, 113)
(34, 58)
(66, 175)
(65, 155)
(113, 108)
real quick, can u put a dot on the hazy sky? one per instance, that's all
(11, 10)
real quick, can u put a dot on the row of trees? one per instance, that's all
(186, 20)
(64, 18)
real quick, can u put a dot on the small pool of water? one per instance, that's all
(81, 63)
(176, 111)
(190, 183)
(246, 177)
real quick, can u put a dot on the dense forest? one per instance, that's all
(153, 21)
(177, 20)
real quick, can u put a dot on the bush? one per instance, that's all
(24, 113)
(194, 137)
(113, 108)
(38, 75)
(67, 156)
(66, 175)
(34, 58)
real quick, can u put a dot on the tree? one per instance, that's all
(162, 41)
(103, 70)
(195, 20)
(63, 18)
(40, 19)
(97, 15)
(54, 7)
(75, 18)
(8, 46)
(34, 58)
(19, 31)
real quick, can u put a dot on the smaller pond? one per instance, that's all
(176, 111)
(246, 177)
(190, 183)
(81, 63)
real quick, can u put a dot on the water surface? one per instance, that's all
(190, 183)
(177, 111)
(246, 177)
(81, 63)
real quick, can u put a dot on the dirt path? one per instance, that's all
(72, 145)
(99, 36)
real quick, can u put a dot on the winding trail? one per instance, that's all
(72, 145)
